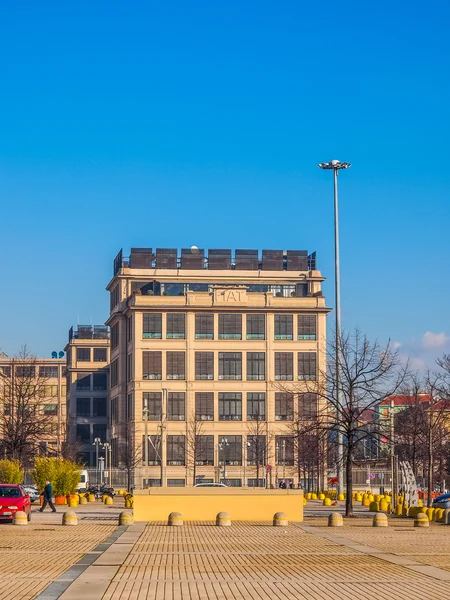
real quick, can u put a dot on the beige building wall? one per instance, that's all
(227, 294)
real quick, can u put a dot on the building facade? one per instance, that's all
(33, 386)
(211, 360)
(87, 355)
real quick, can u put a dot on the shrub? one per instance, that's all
(64, 474)
(11, 471)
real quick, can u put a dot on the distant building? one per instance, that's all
(206, 351)
(87, 390)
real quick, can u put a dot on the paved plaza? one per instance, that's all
(97, 560)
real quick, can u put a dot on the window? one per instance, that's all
(99, 407)
(307, 365)
(307, 406)
(83, 407)
(256, 327)
(100, 382)
(230, 365)
(129, 408)
(232, 482)
(129, 329)
(284, 450)
(50, 410)
(284, 366)
(204, 326)
(230, 327)
(256, 406)
(256, 450)
(50, 391)
(114, 298)
(26, 372)
(114, 336)
(176, 482)
(283, 327)
(175, 367)
(284, 406)
(99, 354)
(151, 406)
(84, 434)
(204, 406)
(230, 406)
(84, 458)
(48, 372)
(204, 450)
(154, 450)
(152, 326)
(99, 431)
(204, 365)
(176, 450)
(307, 327)
(149, 483)
(230, 450)
(83, 354)
(256, 483)
(176, 410)
(175, 326)
(6, 371)
(84, 382)
(114, 410)
(256, 366)
(129, 367)
(114, 372)
(151, 365)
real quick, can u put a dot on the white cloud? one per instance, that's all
(396, 345)
(434, 340)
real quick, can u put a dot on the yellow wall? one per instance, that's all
(203, 504)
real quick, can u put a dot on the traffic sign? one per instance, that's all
(372, 476)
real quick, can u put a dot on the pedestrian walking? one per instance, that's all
(48, 495)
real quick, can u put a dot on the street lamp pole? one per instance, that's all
(246, 445)
(97, 443)
(107, 447)
(335, 166)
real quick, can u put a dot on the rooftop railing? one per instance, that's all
(89, 332)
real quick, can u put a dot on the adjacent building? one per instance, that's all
(212, 359)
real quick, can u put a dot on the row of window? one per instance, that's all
(48, 410)
(91, 407)
(229, 406)
(230, 366)
(229, 450)
(229, 482)
(87, 433)
(29, 372)
(229, 327)
(86, 382)
(85, 354)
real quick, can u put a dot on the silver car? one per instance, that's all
(32, 492)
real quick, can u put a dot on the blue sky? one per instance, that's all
(181, 123)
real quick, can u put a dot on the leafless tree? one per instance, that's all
(23, 421)
(194, 444)
(257, 444)
(129, 454)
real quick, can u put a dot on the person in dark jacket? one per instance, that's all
(48, 495)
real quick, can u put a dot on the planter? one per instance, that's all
(60, 500)
(41, 499)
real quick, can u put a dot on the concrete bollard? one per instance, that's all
(421, 520)
(439, 515)
(446, 517)
(326, 502)
(313, 496)
(69, 518)
(126, 518)
(430, 513)
(383, 505)
(280, 520)
(83, 500)
(374, 506)
(175, 519)
(305, 502)
(72, 503)
(91, 498)
(109, 501)
(335, 520)
(223, 519)
(308, 495)
(398, 510)
(341, 497)
(20, 518)
(380, 520)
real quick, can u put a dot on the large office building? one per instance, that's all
(32, 386)
(212, 358)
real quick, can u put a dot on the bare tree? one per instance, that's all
(257, 444)
(23, 421)
(194, 444)
(129, 454)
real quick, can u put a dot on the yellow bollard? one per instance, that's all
(430, 513)
(20, 518)
(126, 518)
(398, 510)
(365, 501)
(305, 502)
(380, 520)
(421, 520)
(326, 502)
(91, 498)
(83, 500)
(335, 520)
(374, 506)
(439, 515)
(280, 520)
(341, 497)
(358, 497)
(313, 496)
(308, 496)
(175, 519)
(387, 498)
(321, 496)
(383, 505)
(223, 520)
(413, 511)
(69, 518)
(109, 501)
(420, 503)
(72, 503)
(405, 508)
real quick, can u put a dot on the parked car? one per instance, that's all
(32, 492)
(442, 501)
(210, 485)
(13, 498)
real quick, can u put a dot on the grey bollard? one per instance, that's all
(446, 518)
(421, 520)
(20, 518)
(335, 520)
(223, 519)
(126, 518)
(69, 518)
(380, 520)
(175, 519)
(280, 520)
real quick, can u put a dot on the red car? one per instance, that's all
(12, 499)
